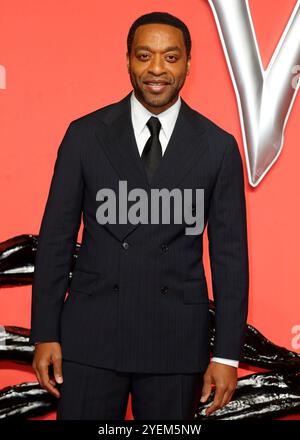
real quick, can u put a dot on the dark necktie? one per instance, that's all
(152, 152)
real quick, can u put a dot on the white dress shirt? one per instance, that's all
(167, 118)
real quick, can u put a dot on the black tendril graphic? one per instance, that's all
(265, 395)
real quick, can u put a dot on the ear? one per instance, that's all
(188, 65)
(127, 61)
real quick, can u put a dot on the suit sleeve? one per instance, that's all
(228, 249)
(57, 240)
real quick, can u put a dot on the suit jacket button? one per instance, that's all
(125, 245)
(116, 288)
(164, 289)
(164, 247)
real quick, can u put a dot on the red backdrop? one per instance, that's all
(63, 59)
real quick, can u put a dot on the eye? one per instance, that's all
(172, 58)
(143, 56)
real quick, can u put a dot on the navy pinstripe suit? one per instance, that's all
(138, 299)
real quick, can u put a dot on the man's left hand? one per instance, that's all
(224, 377)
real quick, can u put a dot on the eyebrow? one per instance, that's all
(167, 49)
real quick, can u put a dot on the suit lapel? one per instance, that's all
(183, 149)
(116, 136)
(118, 140)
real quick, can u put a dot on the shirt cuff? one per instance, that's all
(231, 362)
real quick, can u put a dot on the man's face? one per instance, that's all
(157, 65)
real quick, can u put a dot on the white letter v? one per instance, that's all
(265, 97)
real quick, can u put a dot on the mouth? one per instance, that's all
(156, 86)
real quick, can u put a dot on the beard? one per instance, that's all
(159, 99)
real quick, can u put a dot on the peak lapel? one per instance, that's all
(116, 136)
(184, 148)
(118, 140)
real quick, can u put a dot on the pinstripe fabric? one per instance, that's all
(138, 299)
(90, 393)
(94, 393)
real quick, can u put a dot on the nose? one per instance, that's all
(157, 66)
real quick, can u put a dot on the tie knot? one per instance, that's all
(154, 125)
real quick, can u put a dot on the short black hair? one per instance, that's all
(164, 18)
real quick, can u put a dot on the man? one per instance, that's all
(137, 315)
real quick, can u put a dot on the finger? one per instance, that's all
(206, 389)
(38, 377)
(227, 397)
(57, 368)
(219, 393)
(43, 369)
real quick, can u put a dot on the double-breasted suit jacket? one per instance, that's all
(138, 297)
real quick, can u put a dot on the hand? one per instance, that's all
(45, 354)
(224, 377)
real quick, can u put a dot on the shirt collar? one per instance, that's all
(141, 114)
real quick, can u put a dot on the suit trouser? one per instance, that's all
(89, 392)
